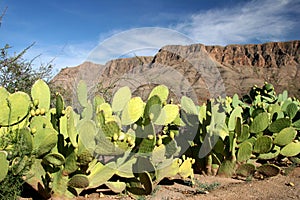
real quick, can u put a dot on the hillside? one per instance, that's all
(196, 70)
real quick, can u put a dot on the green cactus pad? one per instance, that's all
(107, 110)
(125, 169)
(244, 152)
(110, 128)
(70, 163)
(63, 126)
(167, 169)
(98, 100)
(39, 123)
(82, 93)
(121, 98)
(116, 187)
(14, 108)
(260, 123)
(263, 144)
(246, 170)
(3, 93)
(161, 91)
(244, 134)
(153, 107)
(40, 91)
(144, 133)
(59, 183)
(271, 154)
(18, 164)
(86, 135)
(188, 105)
(79, 181)
(237, 112)
(292, 110)
(100, 174)
(227, 168)
(202, 113)
(268, 170)
(84, 158)
(167, 115)
(296, 124)
(60, 104)
(292, 149)
(44, 141)
(71, 126)
(158, 154)
(133, 110)
(146, 181)
(279, 124)
(275, 109)
(252, 140)
(4, 165)
(87, 112)
(27, 140)
(55, 159)
(285, 136)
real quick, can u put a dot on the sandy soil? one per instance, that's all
(279, 187)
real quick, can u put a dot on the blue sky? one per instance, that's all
(69, 30)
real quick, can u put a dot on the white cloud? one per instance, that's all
(253, 21)
(258, 20)
(146, 39)
(61, 56)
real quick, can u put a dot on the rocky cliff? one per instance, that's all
(196, 70)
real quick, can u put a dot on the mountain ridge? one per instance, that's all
(205, 70)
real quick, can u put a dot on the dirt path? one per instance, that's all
(279, 187)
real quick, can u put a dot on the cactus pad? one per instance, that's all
(79, 181)
(133, 110)
(4, 165)
(116, 187)
(161, 91)
(14, 108)
(292, 110)
(244, 152)
(44, 141)
(244, 134)
(285, 136)
(188, 105)
(268, 170)
(246, 170)
(237, 112)
(120, 99)
(279, 124)
(167, 115)
(82, 93)
(271, 154)
(227, 168)
(55, 159)
(260, 123)
(40, 91)
(292, 149)
(263, 144)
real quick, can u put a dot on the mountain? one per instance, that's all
(199, 71)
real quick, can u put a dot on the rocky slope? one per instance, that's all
(196, 70)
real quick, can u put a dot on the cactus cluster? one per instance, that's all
(260, 128)
(132, 144)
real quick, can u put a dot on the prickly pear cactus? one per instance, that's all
(14, 107)
(40, 94)
(4, 165)
(133, 110)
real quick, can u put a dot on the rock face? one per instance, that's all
(198, 71)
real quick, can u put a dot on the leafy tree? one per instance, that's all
(16, 73)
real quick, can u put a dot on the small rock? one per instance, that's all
(290, 184)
